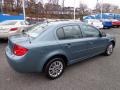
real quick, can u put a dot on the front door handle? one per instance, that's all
(91, 42)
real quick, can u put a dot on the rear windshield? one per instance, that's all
(37, 29)
(8, 23)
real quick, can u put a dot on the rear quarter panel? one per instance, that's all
(39, 53)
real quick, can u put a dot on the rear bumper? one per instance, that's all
(7, 34)
(107, 24)
(21, 64)
(115, 24)
(99, 27)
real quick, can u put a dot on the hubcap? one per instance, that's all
(110, 49)
(55, 68)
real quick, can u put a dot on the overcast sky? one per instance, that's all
(91, 3)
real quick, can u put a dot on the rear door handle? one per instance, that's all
(68, 45)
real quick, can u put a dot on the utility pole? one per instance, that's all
(74, 9)
(2, 4)
(63, 2)
(23, 4)
(101, 8)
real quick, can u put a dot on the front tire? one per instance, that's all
(55, 68)
(109, 49)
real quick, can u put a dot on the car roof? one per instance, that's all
(64, 22)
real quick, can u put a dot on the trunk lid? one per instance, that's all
(5, 28)
(19, 39)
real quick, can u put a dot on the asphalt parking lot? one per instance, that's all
(98, 73)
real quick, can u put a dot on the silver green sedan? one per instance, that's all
(50, 47)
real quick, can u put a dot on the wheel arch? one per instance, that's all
(113, 42)
(55, 56)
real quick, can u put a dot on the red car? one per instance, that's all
(115, 23)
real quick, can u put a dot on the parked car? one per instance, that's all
(12, 27)
(106, 23)
(94, 22)
(50, 47)
(115, 22)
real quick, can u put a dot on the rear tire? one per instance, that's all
(54, 68)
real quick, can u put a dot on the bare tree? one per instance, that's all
(63, 5)
(9, 6)
(53, 2)
(114, 7)
(52, 5)
(107, 8)
(83, 8)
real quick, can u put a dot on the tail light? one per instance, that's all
(19, 50)
(13, 29)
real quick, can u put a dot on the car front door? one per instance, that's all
(71, 41)
(92, 35)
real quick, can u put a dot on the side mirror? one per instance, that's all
(103, 34)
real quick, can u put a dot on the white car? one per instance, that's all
(94, 22)
(12, 27)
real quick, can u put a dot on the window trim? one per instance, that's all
(58, 35)
(92, 27)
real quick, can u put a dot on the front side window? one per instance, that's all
(69, 32)
(89, 31)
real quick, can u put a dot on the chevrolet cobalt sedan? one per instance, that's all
(50, 47)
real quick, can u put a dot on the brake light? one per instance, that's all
(19, 50)
(13, 29)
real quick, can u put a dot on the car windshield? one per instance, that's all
(36, 30)
(8, 23)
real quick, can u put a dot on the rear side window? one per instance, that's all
(89, 31)
(69, 32)
(60, 33)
